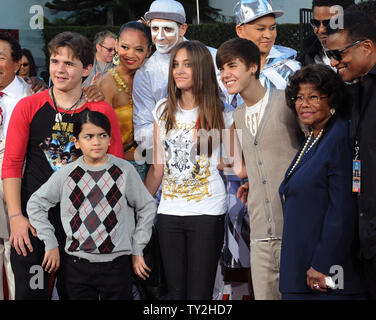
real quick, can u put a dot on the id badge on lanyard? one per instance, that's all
(357, 167)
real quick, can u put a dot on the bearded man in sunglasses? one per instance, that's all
(352, 51)
(314, 46)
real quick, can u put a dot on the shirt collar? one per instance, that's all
(15, 89)
(274, 53)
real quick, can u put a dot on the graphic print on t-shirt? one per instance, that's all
(186, 173)
(59, 148)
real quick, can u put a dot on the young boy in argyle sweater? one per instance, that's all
(98, 196)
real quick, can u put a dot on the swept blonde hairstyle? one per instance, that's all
(205, 91)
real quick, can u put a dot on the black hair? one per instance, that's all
(358, 25)
(32, 67)
(65, 154)
(328, 3)
(14, 45)
(240, 48)
(135, 25)
(326, 81)
(94, 117)
(81, 46)
(368, 7)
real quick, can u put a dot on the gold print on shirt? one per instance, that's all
(253, 122)
(192, 187)
(186, 175)
(63, 132)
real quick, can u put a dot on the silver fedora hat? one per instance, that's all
(166, 9)
(248, 10)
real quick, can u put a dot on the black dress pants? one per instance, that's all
(86, 280)
(369, 269)
(190, 249)
(31, 281)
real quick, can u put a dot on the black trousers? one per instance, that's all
(190, 248)
(369, 269)
(31, 281)
(86, 280)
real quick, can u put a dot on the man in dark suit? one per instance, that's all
(353, 53)
(314, 46)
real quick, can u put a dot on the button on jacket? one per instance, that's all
(320, 215)
(267, 156)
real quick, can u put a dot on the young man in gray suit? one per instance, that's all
(270, 137)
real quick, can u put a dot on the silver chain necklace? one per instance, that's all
(59, 116)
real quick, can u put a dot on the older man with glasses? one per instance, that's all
(352, 51)
(314, 46)
(104, 42)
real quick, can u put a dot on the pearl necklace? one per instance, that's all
(304, 149)
(121, 85)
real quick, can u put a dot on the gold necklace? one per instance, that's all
(304, 149)
(121, 85)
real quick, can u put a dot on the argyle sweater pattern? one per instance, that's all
(97, 210)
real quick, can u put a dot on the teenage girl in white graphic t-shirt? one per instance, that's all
(189, 126)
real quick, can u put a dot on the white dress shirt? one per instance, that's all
(13, 93)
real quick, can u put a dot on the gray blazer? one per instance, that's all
(267, 156)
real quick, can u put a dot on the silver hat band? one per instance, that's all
(165, 15)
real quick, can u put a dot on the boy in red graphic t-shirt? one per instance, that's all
(40, 139)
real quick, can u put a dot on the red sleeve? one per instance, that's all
(116, 147)
(17, 139)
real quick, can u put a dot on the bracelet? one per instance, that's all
(15, 215)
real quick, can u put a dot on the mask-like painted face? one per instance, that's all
(165, 34)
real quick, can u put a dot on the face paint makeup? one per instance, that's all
(165, 35)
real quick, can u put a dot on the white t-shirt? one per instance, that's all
(191, 183)
(254, 114)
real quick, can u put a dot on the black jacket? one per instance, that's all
(311, 47)
(363, 129)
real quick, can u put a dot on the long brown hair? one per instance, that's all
(205, 91)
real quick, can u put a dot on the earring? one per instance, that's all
(115, 59)
(332, 111)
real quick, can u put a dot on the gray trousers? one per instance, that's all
(265, 263)
(5, 263)
(4, 239)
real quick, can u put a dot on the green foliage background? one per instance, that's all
(210, 34)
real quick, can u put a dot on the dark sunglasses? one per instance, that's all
(337, 53)
(108, 49)
(316, 23)
(24, 65)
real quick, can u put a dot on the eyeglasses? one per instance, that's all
(316, 23)
(337, 53)
(108, 49)
(313, 99)
(24, 65)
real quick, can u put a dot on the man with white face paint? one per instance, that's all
(168, 26)
(166, 35)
